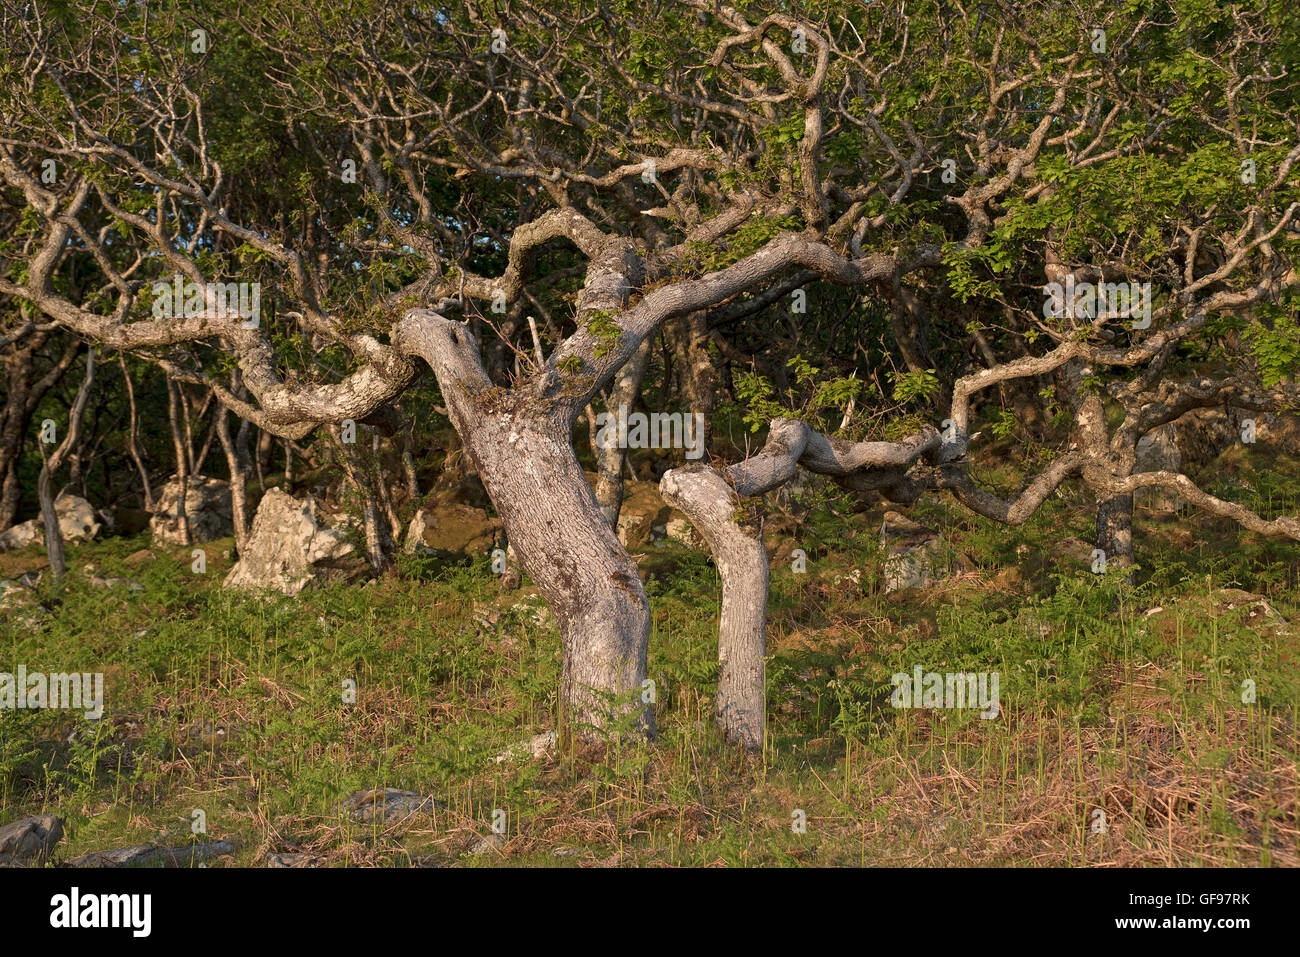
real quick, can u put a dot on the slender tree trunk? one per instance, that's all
(202, 457)
(408, 460)
(45, 482)
(237, 464)
(188, 426)
(380, 483)
(711, 505)
(23, 393)
(379, 540)
(133, 434)
(689, 336)
(265, 447)
(623, 394)
(182, 461)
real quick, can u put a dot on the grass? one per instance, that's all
(1123, 699)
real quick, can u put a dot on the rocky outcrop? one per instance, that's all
(1202, 435)
(646, 518)
(643, 516)
(31, 532)
(452, 529)
(290, 547)
(1157, 451)
(78, 522)
(30, 840)
(910, 553)
(207, 506)
(154, 855)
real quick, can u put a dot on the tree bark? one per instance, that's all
(566, 545)
(45, 482)
(623, 393)
(1115, 529)
(133, 434)
(182, 461)
(238, 465)
(711, 505)
(520, 446)
(23, 393)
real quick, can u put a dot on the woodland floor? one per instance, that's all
(1125, 699)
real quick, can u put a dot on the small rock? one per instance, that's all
(854, 576)
(485, 845)
(534, 610)
(642, 513)
(114, 582)
(31, 838)
(537, 747)
(387, 804)
(78, 522)
(452, 530)
(289, 546)
(486, 614)
(909, 552)
(680, 529)
(154, 855)
(141, 557)
(22, 535)
(207, 508)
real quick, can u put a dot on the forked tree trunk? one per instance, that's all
(520, 446)
(556, 526)
(737, 546)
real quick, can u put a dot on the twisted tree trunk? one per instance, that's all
(737, 545)
(520, 446)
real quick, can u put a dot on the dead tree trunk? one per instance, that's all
(45, 483)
